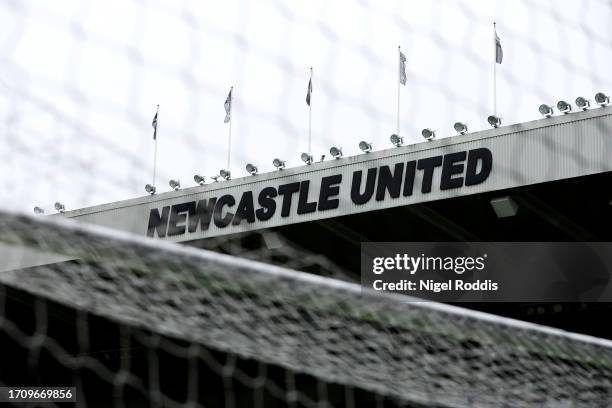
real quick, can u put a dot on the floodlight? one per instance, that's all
(504, 207)
(38, 211)
(494, 121)
(215, 178)
(272, 239)
(251, 169)
(396, 140)
(225, 174)
(175, 184)
(199, 179)
(602, 99)
(336, 152)
(365, 146)
(461, 128)
(60, 207)
(564, 107)
(583, 103)
(150, 189)
(546, 110)
(279, 164)
(428, 134)
(307, 158)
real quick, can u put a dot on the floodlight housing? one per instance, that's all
(564, 107)
(336, 152)
(546, 110)
(365, 146)
(251, 169)
(428, 134)
(175, 184)
(199, 179)
(396, 140)
(38, 210)
(306, 158)
(504, 207)
(60, 207)
(494, 121)
(215, 178)
(225, 174)
(278, 163)
(460, 128)
(602, 99)
(583, 103)
(150, 189)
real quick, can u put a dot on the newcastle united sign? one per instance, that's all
(294, 199)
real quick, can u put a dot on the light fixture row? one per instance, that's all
(334, 151)
(59, 207)
(582, 103)
(366, 147)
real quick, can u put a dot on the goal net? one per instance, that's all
(132, 321)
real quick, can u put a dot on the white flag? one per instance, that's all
(402, 68)
(228, 106)
(499, 53)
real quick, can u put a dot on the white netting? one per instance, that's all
(196, 306)
(133, 322)
(81, 79)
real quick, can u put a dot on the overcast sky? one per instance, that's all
(81, 79)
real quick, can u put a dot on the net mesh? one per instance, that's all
(132, 323)
(81, 81)
(233, 332)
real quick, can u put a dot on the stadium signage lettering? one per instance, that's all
(465, 168)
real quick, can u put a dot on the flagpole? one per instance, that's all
(229, 138)
(398, 88)
(155, 150)
(494, 71)
(310, 119)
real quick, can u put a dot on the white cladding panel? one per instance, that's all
(545, 150)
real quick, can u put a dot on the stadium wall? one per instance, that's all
(544, 150)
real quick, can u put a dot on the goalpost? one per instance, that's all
(195, 304)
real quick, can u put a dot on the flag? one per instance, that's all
(228, 106)
(154, 124)
(499, 53)
(309, 92)
(402, 68)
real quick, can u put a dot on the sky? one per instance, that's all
(80, 81)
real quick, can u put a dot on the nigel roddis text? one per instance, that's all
(466, 168)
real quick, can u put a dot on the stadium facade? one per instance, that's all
(544, 180)
(510, 157)
(142, 322)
